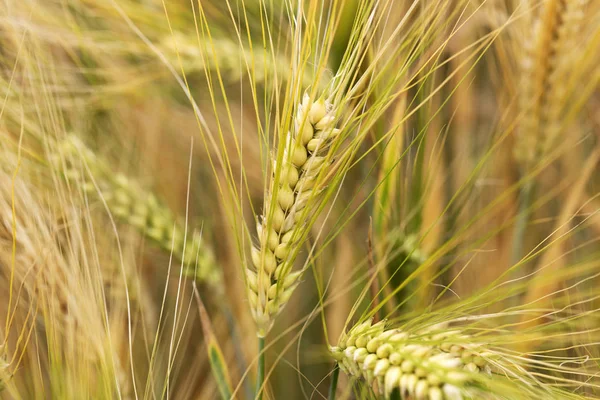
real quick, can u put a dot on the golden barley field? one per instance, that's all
(300, 199)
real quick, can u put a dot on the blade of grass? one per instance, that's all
(334, 380)
(215, 355)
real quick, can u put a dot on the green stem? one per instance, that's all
(525, 197)
(239, 354)
(334, 380)
(260, 378)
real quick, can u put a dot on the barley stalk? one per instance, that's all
(141, 209)
(434, 365)
(294, 186)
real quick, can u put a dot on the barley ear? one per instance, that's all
(133, 206)
(294, 188)
(550, 59)
(231, 58)
(435, 366)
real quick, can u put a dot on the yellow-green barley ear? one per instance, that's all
(445, 361)
(294, 190)
(134, 206)
(233, 60)
(436, 366)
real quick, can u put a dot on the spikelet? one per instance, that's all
(434, 366)
(270, 279)
(133, 206)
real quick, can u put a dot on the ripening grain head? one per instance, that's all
(294, 192)
(129, 203)
(458, 360)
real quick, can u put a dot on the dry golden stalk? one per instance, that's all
(138, 208)
(280, 230)
(55, 269)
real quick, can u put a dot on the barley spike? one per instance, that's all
(437, 365)
(141, 209)
(270, 278)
